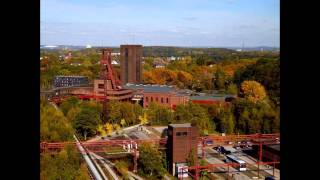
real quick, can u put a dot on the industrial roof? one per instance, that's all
(208, 97)
(150, 88)
(181, 125)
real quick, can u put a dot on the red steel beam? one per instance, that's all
(216, 140)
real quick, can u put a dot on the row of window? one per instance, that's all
(156, 99)
(181, 133)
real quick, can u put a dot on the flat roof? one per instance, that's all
(180, 125)
(150, 88)
(208, 97)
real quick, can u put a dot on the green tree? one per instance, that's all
(72, 113)
(69, 103)
(122, 168)
(150, 161)
(86, 122)
(195, 114)
(66, 164)
(232, 89)
(53, 125)
(219, 81)
(159, 114)
(192, 158)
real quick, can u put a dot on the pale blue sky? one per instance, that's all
(218, 23)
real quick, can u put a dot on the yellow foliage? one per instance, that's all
(116, 127)
(109, 128)
(123, 122)
(143, 119)
(101, 130)
(253, 91)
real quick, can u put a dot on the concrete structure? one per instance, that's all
(130, 63)
(182, 138)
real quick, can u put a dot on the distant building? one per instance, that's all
(88, 46)
(130, 63)
(68, 81)
(182, 138)
(115, 54)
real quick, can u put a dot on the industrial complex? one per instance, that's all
(227, 156)
(128, 88)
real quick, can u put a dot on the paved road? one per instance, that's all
(214, 160)
(250, 160)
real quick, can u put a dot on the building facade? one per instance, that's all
(182, 138)
(68, 81)
(160, 94)
(130, 63)
(169, 99)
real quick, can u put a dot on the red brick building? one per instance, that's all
(130, 63)
(161, 94)
(182, 138)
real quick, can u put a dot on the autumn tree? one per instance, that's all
(253, 91)
(266, 72)
(143, 119)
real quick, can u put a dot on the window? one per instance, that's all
(167, 100)
(184, 133)
(181, 133)
(147, 99)
(162, 100)
(156, 99)
(101, 86)
(151, 99)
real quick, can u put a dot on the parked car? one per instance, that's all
(209, 142)
(222, 150)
